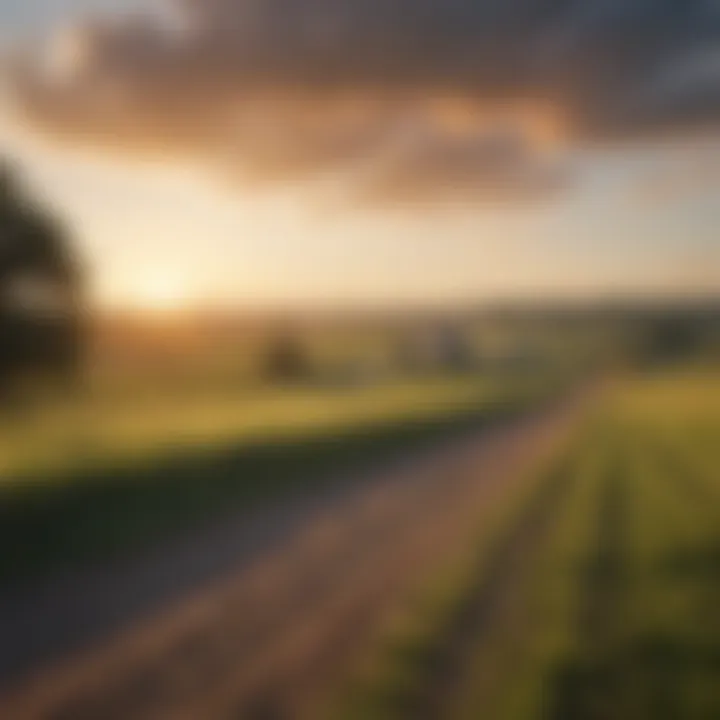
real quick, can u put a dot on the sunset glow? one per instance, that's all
(159, 292)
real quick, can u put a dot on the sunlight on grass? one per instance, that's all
(98, 430)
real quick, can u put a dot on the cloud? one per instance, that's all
(287, 89)
(427, 163)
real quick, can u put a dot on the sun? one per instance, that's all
(161, 292)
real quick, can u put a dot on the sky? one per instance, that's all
(194, 173)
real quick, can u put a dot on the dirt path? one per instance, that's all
(257, 621)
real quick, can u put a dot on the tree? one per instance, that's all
(40, 306)
(285, 360)
(675, 338)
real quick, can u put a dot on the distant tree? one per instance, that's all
(285, 360)
(674, 339)
(40, 307)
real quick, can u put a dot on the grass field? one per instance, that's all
(100, 431)
(102, 477)
(594, 595)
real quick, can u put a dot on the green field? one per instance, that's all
(102, 477)
(594, 595)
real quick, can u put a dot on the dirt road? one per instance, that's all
(259, 618)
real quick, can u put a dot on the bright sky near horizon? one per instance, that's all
(165, 234)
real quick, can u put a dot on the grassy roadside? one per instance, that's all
(423, 651)
(510, 673)
(653, 653)
(641, 640)
(126, 498)
(613, 611)
(98, 431)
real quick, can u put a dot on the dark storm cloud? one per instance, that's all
(285, 88)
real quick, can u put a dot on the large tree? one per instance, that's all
(40, 304)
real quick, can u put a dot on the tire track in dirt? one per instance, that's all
(268, 642)
(594, 683)
(491, 603)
